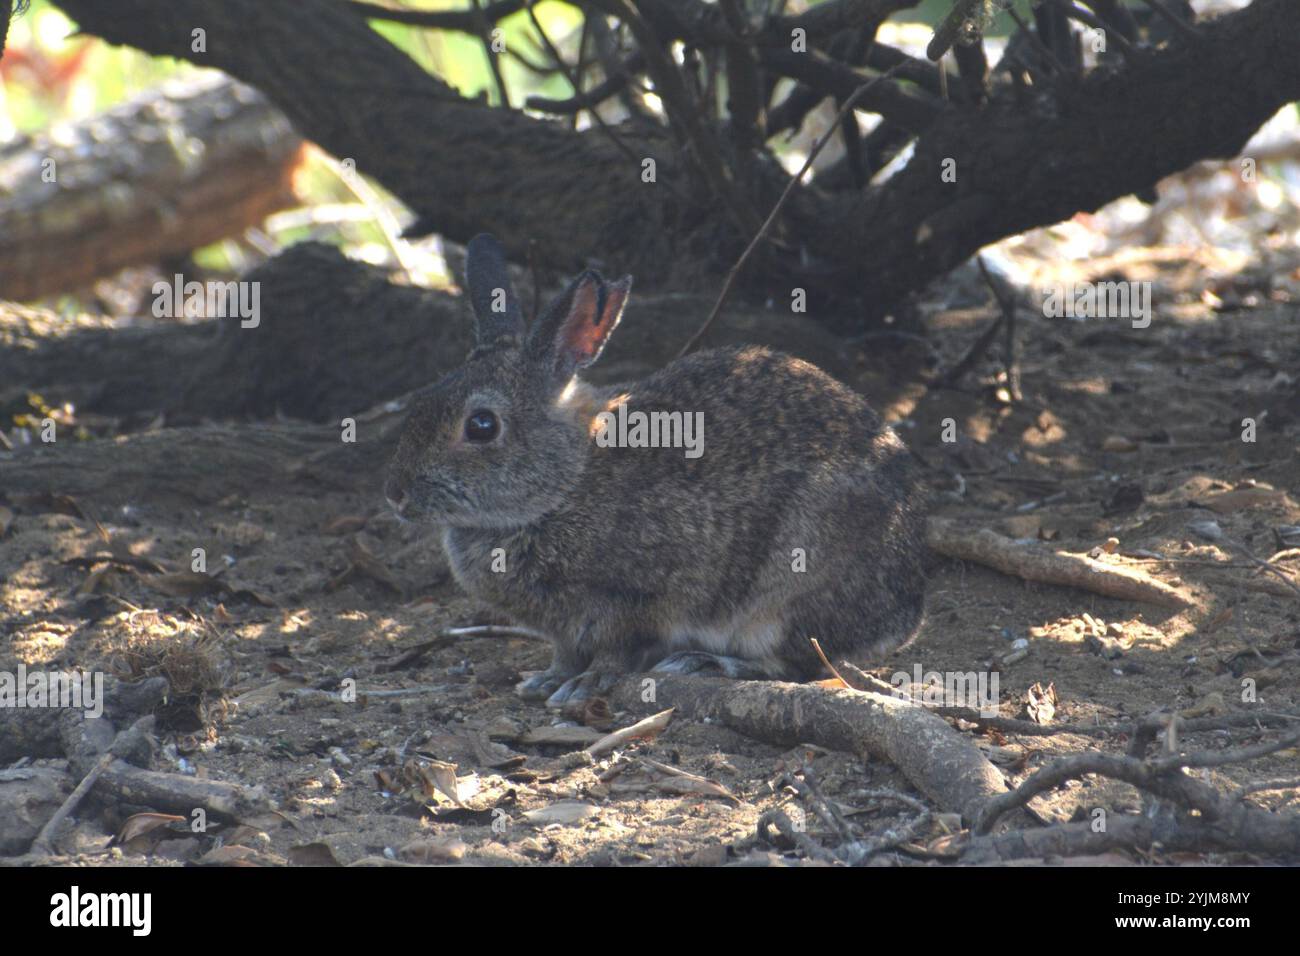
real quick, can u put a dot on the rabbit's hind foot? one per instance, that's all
(695, 662)
(586, 685)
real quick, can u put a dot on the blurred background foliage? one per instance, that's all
(51, 74)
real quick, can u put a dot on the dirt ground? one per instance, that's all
(1121, 433)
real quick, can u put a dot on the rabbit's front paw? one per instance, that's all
(693, 662)
(542, 684)
(586, 685)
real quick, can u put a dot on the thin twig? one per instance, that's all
(1007, 300)
(589, 99)
(973, 354)
(1162, 777)
(576, 82)
(1037, 41)
(829, 666)
(778, 819)
(42, 844)
(683, 114)
(1075, 12)
(1218, 536)
(780, 204)
(494, 61)
(463, 21)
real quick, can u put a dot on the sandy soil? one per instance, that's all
(1123, 433)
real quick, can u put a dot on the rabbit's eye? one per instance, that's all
(481, 426)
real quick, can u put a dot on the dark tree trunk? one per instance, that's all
(335, 338)
(1029, 157)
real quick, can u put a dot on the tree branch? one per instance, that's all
(463, 21)
(1068, 149)
(910, 109)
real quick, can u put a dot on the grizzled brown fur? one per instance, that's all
(637, 557)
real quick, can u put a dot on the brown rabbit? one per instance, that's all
(801, 516)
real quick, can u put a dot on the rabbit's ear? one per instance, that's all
(500, 322)
(574, 328)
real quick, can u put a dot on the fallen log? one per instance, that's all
(942, 764)
(166, 173)
(1035, 562)
(66, 732)
(1245, 830)
(176, 793)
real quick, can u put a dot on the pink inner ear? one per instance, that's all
(588, 325)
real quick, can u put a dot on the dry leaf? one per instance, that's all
(439, 776)
(345, 524)
(1040, 704)
(1209, 705)
(231, 856)
(141, 823)
(676, 780)
(198, 584)
(562, 736)
(241, 835)
(565, 812)
(1229, 501)
(647, 729)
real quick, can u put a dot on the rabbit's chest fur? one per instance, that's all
(498, 567)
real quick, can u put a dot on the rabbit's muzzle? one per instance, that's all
(423, 498)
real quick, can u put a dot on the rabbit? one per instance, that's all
(802, 517)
